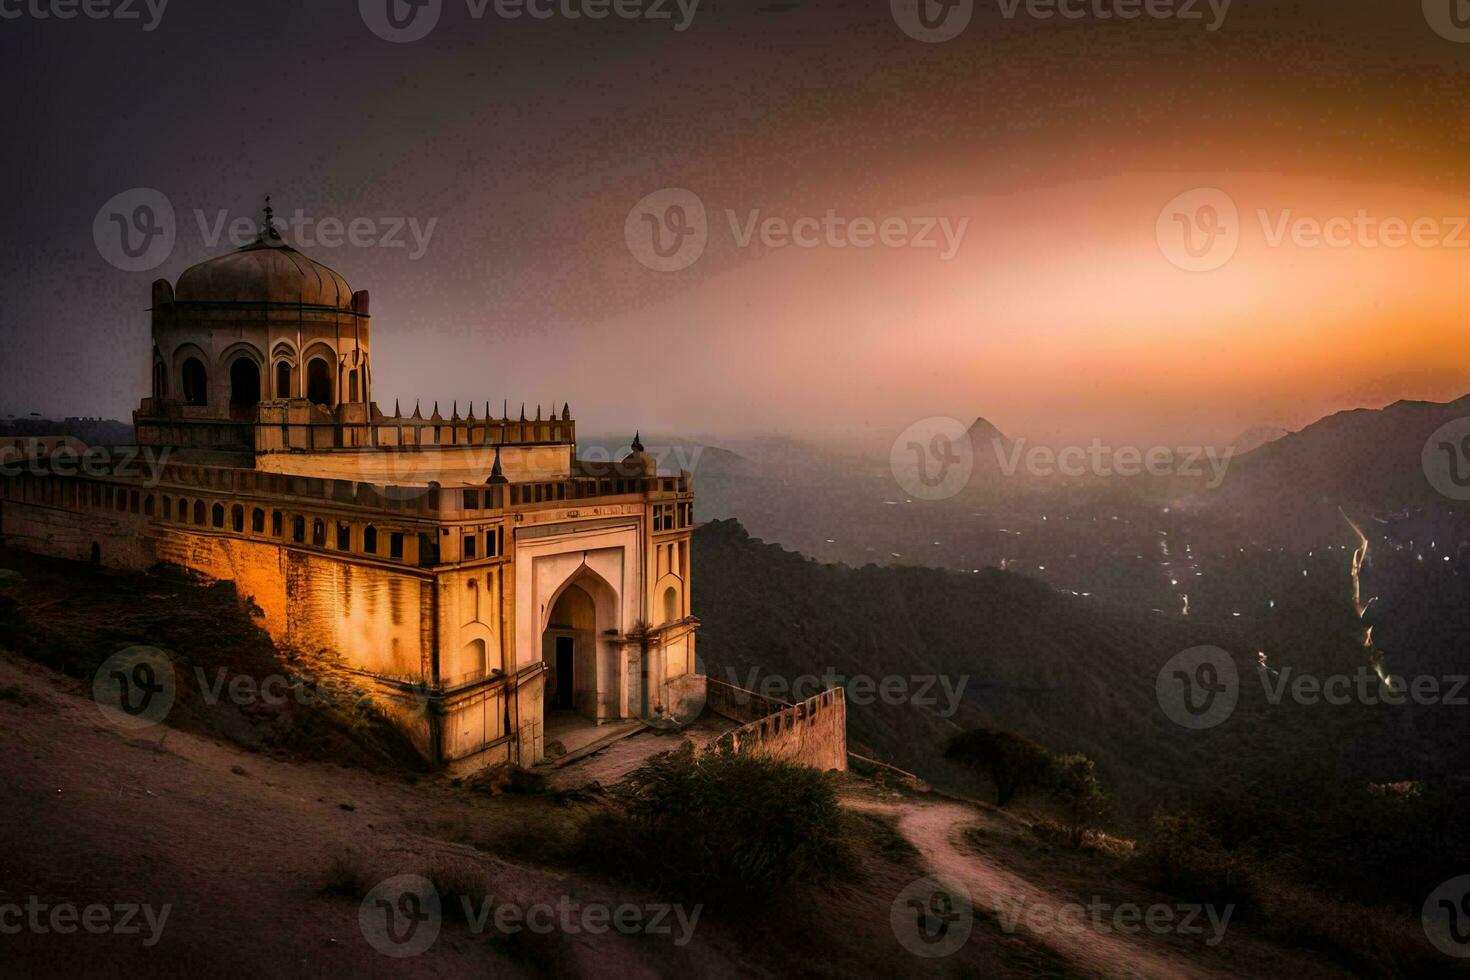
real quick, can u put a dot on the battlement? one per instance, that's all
(298, 425)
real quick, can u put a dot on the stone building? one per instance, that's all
(469, 568)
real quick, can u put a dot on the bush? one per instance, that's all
(722, 825)
(1180, 856)
(1074, 781)
(1011, 761)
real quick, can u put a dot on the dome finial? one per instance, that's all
(268, 229)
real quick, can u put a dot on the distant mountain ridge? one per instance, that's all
(1364, 460)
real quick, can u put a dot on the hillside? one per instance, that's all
(1365, 461)
(1075, 674)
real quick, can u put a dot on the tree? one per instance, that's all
(1012, 761)
(1074, 781)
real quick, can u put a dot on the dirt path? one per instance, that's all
(933, 828)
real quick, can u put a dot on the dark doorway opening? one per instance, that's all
(195, 382)
(566, 648)
(244, 389)
(319, 382)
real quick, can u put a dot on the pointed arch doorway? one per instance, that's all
(570, 647)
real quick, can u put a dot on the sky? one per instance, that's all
(1163, 228)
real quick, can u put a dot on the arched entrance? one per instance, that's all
(319, 382)
(244, 388)
(195, 382)
(570, 645)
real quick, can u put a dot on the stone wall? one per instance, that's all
(810, 733)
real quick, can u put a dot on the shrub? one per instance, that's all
(1180, 856)
(1074, 781)
(1011, 761)
(721, 825)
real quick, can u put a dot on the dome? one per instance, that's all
(265, 271)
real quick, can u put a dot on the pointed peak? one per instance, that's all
(638, 442)
(268, 230)
(397, 412)
(538, 412)
(497, 475)
(454, 412)
(416, 413)
(566, 412)
(523, 411)
(471, 417)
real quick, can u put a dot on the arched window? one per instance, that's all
(160, 380)
(474, 658)
(275, 524)
(319, 533)
(168, 508)
(352, 385)
(148, 506)
(344, 537)
(319, 381)
(298, 529)
(196, 382)
(198, 512)
(370, 540)
(671, 604)
(257, 521)
(217, 515)
(237, 517)
(244, 388)
(283, 379)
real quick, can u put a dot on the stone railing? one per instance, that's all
(811, 733)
